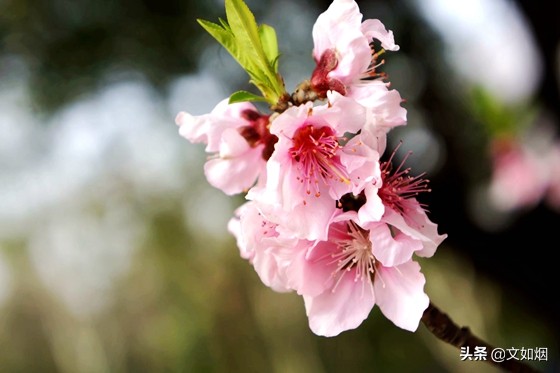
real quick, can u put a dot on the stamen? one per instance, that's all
(355, 254)
(370, 73)
(398, 186)
(316, 152)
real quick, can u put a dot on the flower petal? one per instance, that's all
(343, 308)
(373, 209)
(400, 294)
(374, 29)
(416, 225)
(208, 128)
(270, 263)
(389, 250)
(259, 242)
(339, 28)
(234, 175)
(340, 15)
(311, 276)
(310, 220)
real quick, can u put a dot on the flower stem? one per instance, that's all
(441, 325)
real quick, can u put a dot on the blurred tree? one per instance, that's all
(544, 24)
(73, 47)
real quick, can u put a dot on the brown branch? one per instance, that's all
(441, 325)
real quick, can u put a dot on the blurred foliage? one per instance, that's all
(73, 47)
(189, 304)
(500, 119)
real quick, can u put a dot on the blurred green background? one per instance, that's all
(114, 252)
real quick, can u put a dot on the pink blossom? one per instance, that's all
(237, 135)
(340, 36)
(342, 278)
(347, 63)
(416, 225)
(313, 165)
(384, 109)
(393, 202)
(324, 217)
(260, 243)
(519, 178)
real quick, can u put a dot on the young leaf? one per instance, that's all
(246, 31)
(244, 27)
(225, 37)
(242, 96)
(224, 24)
(254, 48)
(270, 45)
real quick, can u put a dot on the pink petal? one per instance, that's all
(373, 209)
(232, 144)
(361, 163)
(343, 308)
(196, 129)
(339, 28)
(383, 105)
(289, 121)
(374, 29)
(519, 178)
(234, 227)
(311, 276)
(259, 242)
(416, 225)
(282, 185)
(389, 250)
(339, 15)
(271, 263)
(341, 113)
(355, 57)
(208, 128)
(234, 175)
(400, 294)
(389, 111)
(374, 136)
(311, 220)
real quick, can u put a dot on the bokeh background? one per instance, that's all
(114, 252)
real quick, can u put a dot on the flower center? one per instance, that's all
(398, 186)
(257, 132)
(315, 151)
(320, 81)
(355, 254)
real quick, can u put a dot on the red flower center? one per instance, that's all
(399, 186)
(257, 132)
(315, 150)
(320, 81)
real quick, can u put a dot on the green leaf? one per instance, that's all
(246, 31)
(242, 96)
(254, 47)
(226, 38)
(222, 33)
(224, 24)
(499, 118)
(244, 26)
(270, 45)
